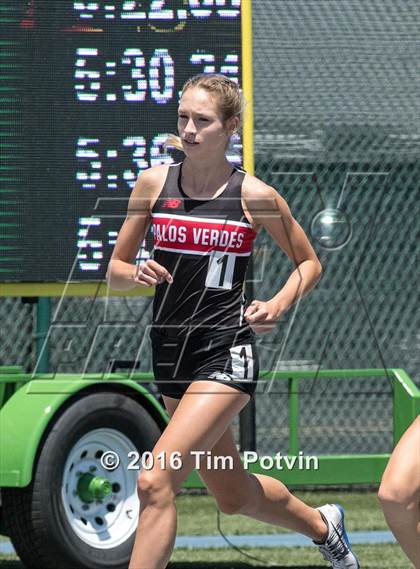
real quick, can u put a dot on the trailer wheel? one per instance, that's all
(76, 513)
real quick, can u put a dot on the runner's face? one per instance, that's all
(200, 125)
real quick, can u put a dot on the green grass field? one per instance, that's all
(371, 556)
(361, 508)
(197, 515)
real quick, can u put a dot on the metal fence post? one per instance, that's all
(247, 430)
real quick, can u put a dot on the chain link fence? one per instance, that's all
(337, 134)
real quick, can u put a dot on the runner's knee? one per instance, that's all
(238, 501)
(154, 488)
(392, 492)
(233, 504)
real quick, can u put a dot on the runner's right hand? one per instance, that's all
(150, 273)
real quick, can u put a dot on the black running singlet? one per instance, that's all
(205, 245)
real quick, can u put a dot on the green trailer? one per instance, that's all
(64, 503)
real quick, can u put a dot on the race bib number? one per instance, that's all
(220, 270)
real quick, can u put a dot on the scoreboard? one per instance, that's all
(89, 93)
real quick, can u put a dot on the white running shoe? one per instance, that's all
(336, 547)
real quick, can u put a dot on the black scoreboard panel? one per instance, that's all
(94, 92)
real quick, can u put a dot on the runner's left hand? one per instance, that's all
(262, 316)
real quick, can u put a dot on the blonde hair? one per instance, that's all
(230, 101)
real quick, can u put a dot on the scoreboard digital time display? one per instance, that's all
(94, 92)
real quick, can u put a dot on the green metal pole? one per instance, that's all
(43, 315)
(406, 402)
(293, 385)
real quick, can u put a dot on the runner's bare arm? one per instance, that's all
(122, 273)
(271, 211)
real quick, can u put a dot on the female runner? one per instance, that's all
(205, 215)
(399, 492)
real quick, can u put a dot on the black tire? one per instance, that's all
(35, 515)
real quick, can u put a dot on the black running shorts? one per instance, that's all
(228, 357)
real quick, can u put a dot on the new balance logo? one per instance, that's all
(172, 203)
(220, 376)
